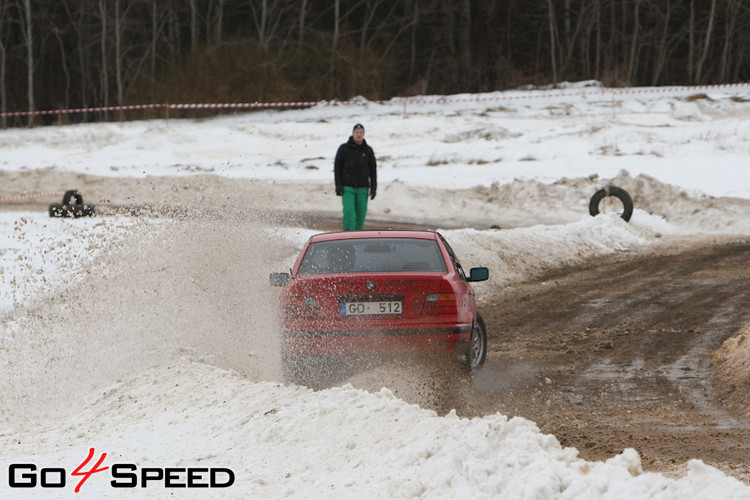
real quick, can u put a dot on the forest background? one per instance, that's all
(72, 54)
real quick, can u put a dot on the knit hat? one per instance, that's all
(358, 127)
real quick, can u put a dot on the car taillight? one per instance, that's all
(298, 306)
(440, 303)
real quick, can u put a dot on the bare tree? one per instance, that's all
(370, 12)
(268, 18)
(75, 20)
(29, 40)
(598, 50)
(193, 24)
(218, 22)
(63, 63)
(122, 59)
(3, 66)
(302, 16)
(118, 55)
(160, 16)
(413, 41)
(552, 40)
(104, 90)
(729, 33)
(691, 42)
(464, 40)
(706, 43)
(634, 41)
(335, 40)
(572, 35)
(154, 35)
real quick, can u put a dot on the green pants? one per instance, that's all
(355, 207)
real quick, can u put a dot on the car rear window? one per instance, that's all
(373, 255)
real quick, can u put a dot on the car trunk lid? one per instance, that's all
(372, 296)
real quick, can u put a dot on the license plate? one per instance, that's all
(392, 307)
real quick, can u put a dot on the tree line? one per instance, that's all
(62, 54)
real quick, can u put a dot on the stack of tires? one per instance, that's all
(72, 206)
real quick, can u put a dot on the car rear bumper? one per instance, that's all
(403, 340)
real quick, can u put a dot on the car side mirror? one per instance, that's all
(279, 279)
(478, 274)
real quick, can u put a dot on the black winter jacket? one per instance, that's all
(355, 166)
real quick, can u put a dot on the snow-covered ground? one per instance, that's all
(148, 338)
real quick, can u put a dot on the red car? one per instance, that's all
(378, 292)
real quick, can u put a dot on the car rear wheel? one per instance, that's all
(477, 345)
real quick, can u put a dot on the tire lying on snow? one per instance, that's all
(604, 198)
(75, 209)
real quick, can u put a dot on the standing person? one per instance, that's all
(355, 177)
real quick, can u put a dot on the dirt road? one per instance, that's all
(618, 354)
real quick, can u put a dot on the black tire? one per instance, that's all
(71, 210)
(477, 351)
(617, 192)
(72, 194)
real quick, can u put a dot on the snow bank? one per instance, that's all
(732, 363)
(290, 442)
(40, 256)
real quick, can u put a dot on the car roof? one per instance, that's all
(390, 233)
